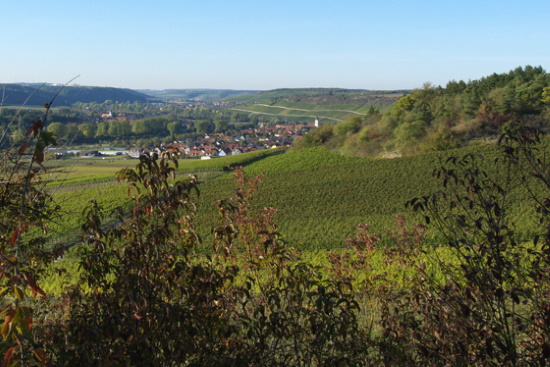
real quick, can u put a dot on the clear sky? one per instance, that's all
(261, 44)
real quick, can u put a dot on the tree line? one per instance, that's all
(83, 122)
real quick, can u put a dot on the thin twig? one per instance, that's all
(29, 170)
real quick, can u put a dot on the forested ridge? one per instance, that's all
(37, 95)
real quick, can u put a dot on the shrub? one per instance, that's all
(26, 211)
(348, 127)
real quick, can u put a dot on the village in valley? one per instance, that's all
(206, 146)
(249, 140)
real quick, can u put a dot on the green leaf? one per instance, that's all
(19, 293)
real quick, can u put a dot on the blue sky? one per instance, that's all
(262, 45)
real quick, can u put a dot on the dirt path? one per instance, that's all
(299, 109)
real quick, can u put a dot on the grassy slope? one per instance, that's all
(360, 109)
(320, 195)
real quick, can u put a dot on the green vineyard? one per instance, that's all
(320, 196)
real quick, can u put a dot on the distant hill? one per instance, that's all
(307, 104)
(17, 94)
(322, 96)
(196, 94)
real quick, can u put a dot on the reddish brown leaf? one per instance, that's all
(41, 356)
(34, 287)
(35, 128)
(23, 147)
(15, 236)
(38, 156)
(8, 356)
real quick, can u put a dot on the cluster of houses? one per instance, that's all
(220, 145)
(202, 151)
(117, 116)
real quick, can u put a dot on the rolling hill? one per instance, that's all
(321, 96)
(39, 94)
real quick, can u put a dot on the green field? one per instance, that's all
(320, 195)
(76, 181)
(77, 170)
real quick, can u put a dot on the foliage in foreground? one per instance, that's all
(145, 297)
(26, 210)
(151, 302)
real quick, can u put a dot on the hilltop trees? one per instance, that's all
(435, 118)
(57, 128)
(173, 128)
(316, 137)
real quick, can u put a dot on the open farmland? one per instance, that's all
(305, 112)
